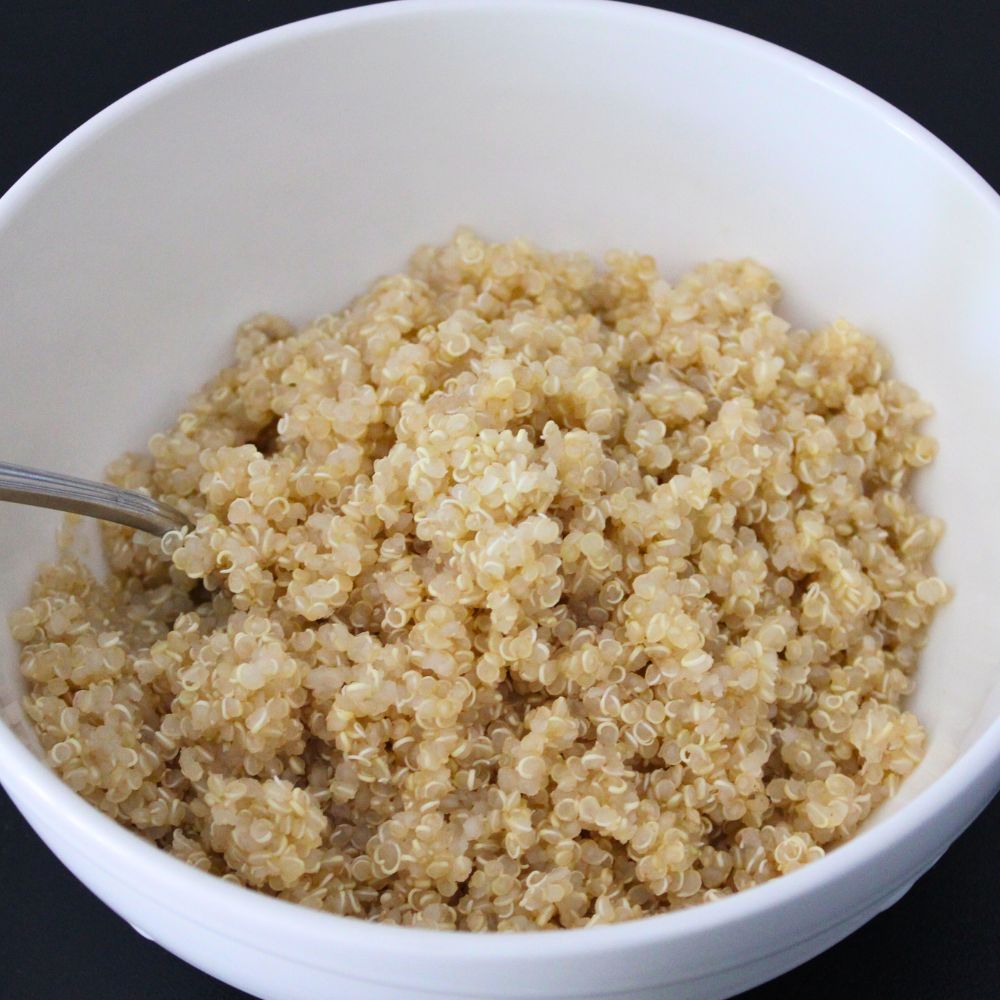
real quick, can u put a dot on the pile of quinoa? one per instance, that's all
(521, 593)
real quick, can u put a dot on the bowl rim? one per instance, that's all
(117, 850)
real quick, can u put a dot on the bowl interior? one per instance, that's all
(289, 172)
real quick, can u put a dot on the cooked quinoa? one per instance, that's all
(520, 594)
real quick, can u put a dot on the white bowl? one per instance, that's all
(288, 170)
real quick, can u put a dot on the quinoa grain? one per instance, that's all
(519, 594)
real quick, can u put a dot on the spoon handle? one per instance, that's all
(81, 496)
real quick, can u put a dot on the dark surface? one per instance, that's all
(61, 62)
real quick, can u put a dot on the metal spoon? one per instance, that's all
(81, 496)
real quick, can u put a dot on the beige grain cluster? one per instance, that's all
(521, 594)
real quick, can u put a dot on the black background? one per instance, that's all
(61, 62)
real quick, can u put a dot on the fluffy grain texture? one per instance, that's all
(521, 594)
